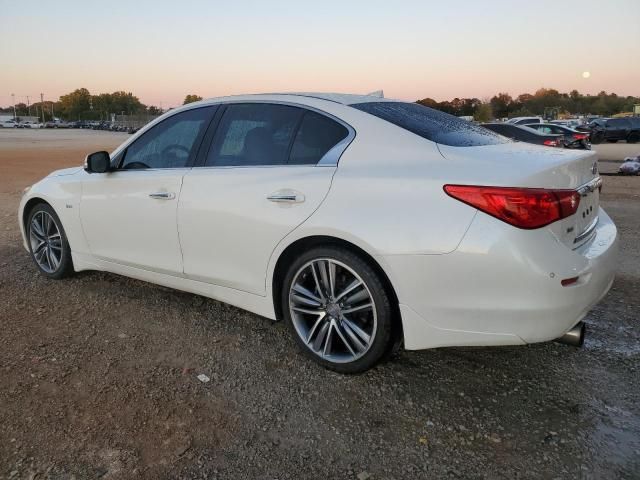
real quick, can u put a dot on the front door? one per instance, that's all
(129, 215)
(264, 175)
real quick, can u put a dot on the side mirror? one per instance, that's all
(98, 162)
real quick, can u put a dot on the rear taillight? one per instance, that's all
(521, 207)
(552, 143)
(580, 136)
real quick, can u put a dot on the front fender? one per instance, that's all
(63, 193)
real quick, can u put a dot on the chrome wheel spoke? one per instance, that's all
(55, 261)
(327, 343)
(359, 307)
(36, 228)
(315, 327)
(47, 221)
(317, 281)
(324, 276)
(332, 279)
(350, 288)
(305, 296)
(344, 340)
(322, 333)
(357, 297)
(357, 330)
(360, 345)
(308, 311)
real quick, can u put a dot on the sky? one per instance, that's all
(162, 50)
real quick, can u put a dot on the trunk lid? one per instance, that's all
(525, 165)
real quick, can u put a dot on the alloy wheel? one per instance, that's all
(332, 310)
(46, 241)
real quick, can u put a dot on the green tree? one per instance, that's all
(75, 103)
(501, 104)
(483, 113)
(191, 98)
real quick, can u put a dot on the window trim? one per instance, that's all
(329, 159)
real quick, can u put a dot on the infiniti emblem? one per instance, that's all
(594, 168)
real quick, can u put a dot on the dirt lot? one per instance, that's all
(98, 377)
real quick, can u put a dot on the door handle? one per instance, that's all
(163, 195)
(286, 196)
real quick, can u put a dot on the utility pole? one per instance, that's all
(13, 101)
(42, 106)
(28, 107)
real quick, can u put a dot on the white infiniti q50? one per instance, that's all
(363, 222)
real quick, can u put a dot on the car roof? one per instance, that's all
(341, 98)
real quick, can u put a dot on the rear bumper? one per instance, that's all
(502, 286)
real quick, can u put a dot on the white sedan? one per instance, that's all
(363, 222)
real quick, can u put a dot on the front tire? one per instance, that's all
(338, 309)
(48, 243)
(633, 138)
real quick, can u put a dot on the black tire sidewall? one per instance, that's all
(66, 264)
(381, 299)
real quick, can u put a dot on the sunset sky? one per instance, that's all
(162, 50)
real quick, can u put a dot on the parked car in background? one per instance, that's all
(614, 129)
(361, 222)
(9, 124)
(571, 123)
(524, 120)
(570, 137)
(630, 166)
(525, 134)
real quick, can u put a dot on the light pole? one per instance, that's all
(42, 106)
(28, 107)
(13, 101)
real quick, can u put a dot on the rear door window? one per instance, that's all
(431, 124)
(316, 136)
(254, 134)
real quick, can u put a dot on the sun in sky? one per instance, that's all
(586, 74)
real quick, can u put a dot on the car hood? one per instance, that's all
(65, 171)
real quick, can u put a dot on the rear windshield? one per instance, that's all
(432, 124)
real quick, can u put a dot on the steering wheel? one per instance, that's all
(135, 165)
(175, 146)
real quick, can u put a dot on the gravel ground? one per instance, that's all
(99, 378)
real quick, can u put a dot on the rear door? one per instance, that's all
(268, 168)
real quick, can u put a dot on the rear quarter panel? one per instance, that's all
(387, 194)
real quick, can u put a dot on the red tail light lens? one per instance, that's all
(526, 208)
(580, 136)
(551, 143)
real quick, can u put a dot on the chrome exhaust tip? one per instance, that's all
(574, 337)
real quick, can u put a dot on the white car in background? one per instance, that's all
(630, 166)
(8, 124)
(363, 222)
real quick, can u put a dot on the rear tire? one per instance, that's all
(48, 243)
(338, 309)
(633, 137)
(596, 138)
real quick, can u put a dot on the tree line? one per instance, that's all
(82, 105)
(545, 101)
